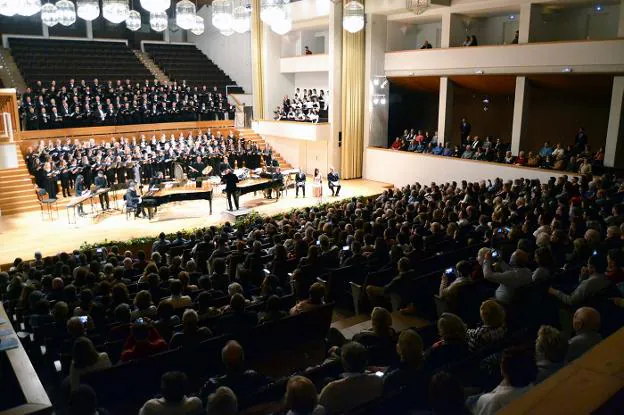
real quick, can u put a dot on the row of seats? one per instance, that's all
(186, 62)
(41, 59)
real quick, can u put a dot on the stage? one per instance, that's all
(22, 235)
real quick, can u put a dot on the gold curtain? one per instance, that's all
(353, 104)
(257, 60)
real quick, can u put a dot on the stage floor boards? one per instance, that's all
(22, 235)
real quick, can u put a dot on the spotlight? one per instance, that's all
(376, 81)
(598, 7)
(384, 84)
(375, 101)
(383, 101)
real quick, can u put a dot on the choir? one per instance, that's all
(94, 104)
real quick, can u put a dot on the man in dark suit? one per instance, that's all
(464, 130)
(333, 181)
(237, 319)
(230, 180)
(101, 183)
(300, 180)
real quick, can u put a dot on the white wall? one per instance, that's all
(179, 35)
(276, 84)
(306, 155)
(306, 63)
(404, 36)
(294, 42)
(426, 168)
(318, 80)
(577, 24)
(232, 53)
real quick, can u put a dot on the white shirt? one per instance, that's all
(491, 403)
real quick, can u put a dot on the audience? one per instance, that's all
(577, 159)
(550, 232)
(301, 397)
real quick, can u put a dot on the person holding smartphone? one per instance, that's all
(451, 282)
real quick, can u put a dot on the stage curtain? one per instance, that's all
(352, 104)
(257, 60)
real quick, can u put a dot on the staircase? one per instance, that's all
(251, 135)
(17, 193)
(9, 73)
(151, 66)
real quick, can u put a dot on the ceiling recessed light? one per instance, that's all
(567, 69)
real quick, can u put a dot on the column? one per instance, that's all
(453, 31)
(353, 107)
(166, 35)
(521, 105)
(445, 110)
(621, 22)
(89, 26)
(614, 146)
(257, 67)
(44, 30)
(529, 17)
(375, 116)
(335, 84)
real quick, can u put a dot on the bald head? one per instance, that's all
(586, 319)
(233, 356)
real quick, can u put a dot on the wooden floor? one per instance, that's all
(22, 235)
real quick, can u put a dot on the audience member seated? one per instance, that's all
(519, 371)
(173, 386)
(492, 330)
(513, 276)
(315, 300)
(592, 282)
(452, 345)
(96, 104)
(305, 106)
(85, 359)
(355, 387)
(301, 397)
(191, 334)
(222, 402)
(144, 341)
(241, 381)
(409, 372)
(550, 352)
(586, 324)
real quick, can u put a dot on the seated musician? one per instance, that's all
(278, 182)
(333, 181)
(300, 180)
(133, 200)
(224, 166)
(196, 168)
(101, 183)
(157, 180)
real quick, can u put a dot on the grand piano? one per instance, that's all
(173, 192)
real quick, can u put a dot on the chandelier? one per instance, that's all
(271, 11)
(222, 14)
(417, 6)
(133, 22)
(353, 17)
(241, 16)
(158, 21)
(28, 7)
(155, 5)
(282, 25)
(115, 11)
(88, 9)
(66, 12)
(9, 7)
(185, 14)
(198, 28)
(49, 14)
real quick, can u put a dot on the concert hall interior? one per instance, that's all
(309, 207)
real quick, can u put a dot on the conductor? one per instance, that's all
(230, 180)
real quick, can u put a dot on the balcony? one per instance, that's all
(306, 63)
(303, 131)
(604, 56)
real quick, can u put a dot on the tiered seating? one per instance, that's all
(186, 62)
(41, 59)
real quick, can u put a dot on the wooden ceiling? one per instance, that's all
(587, 84)
(593, 84)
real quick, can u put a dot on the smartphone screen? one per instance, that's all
(379, 374)
(84, 319)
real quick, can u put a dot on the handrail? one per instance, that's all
(37, 400)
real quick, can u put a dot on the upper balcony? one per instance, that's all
(604, 56)
(303, 131)
(306, 63)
